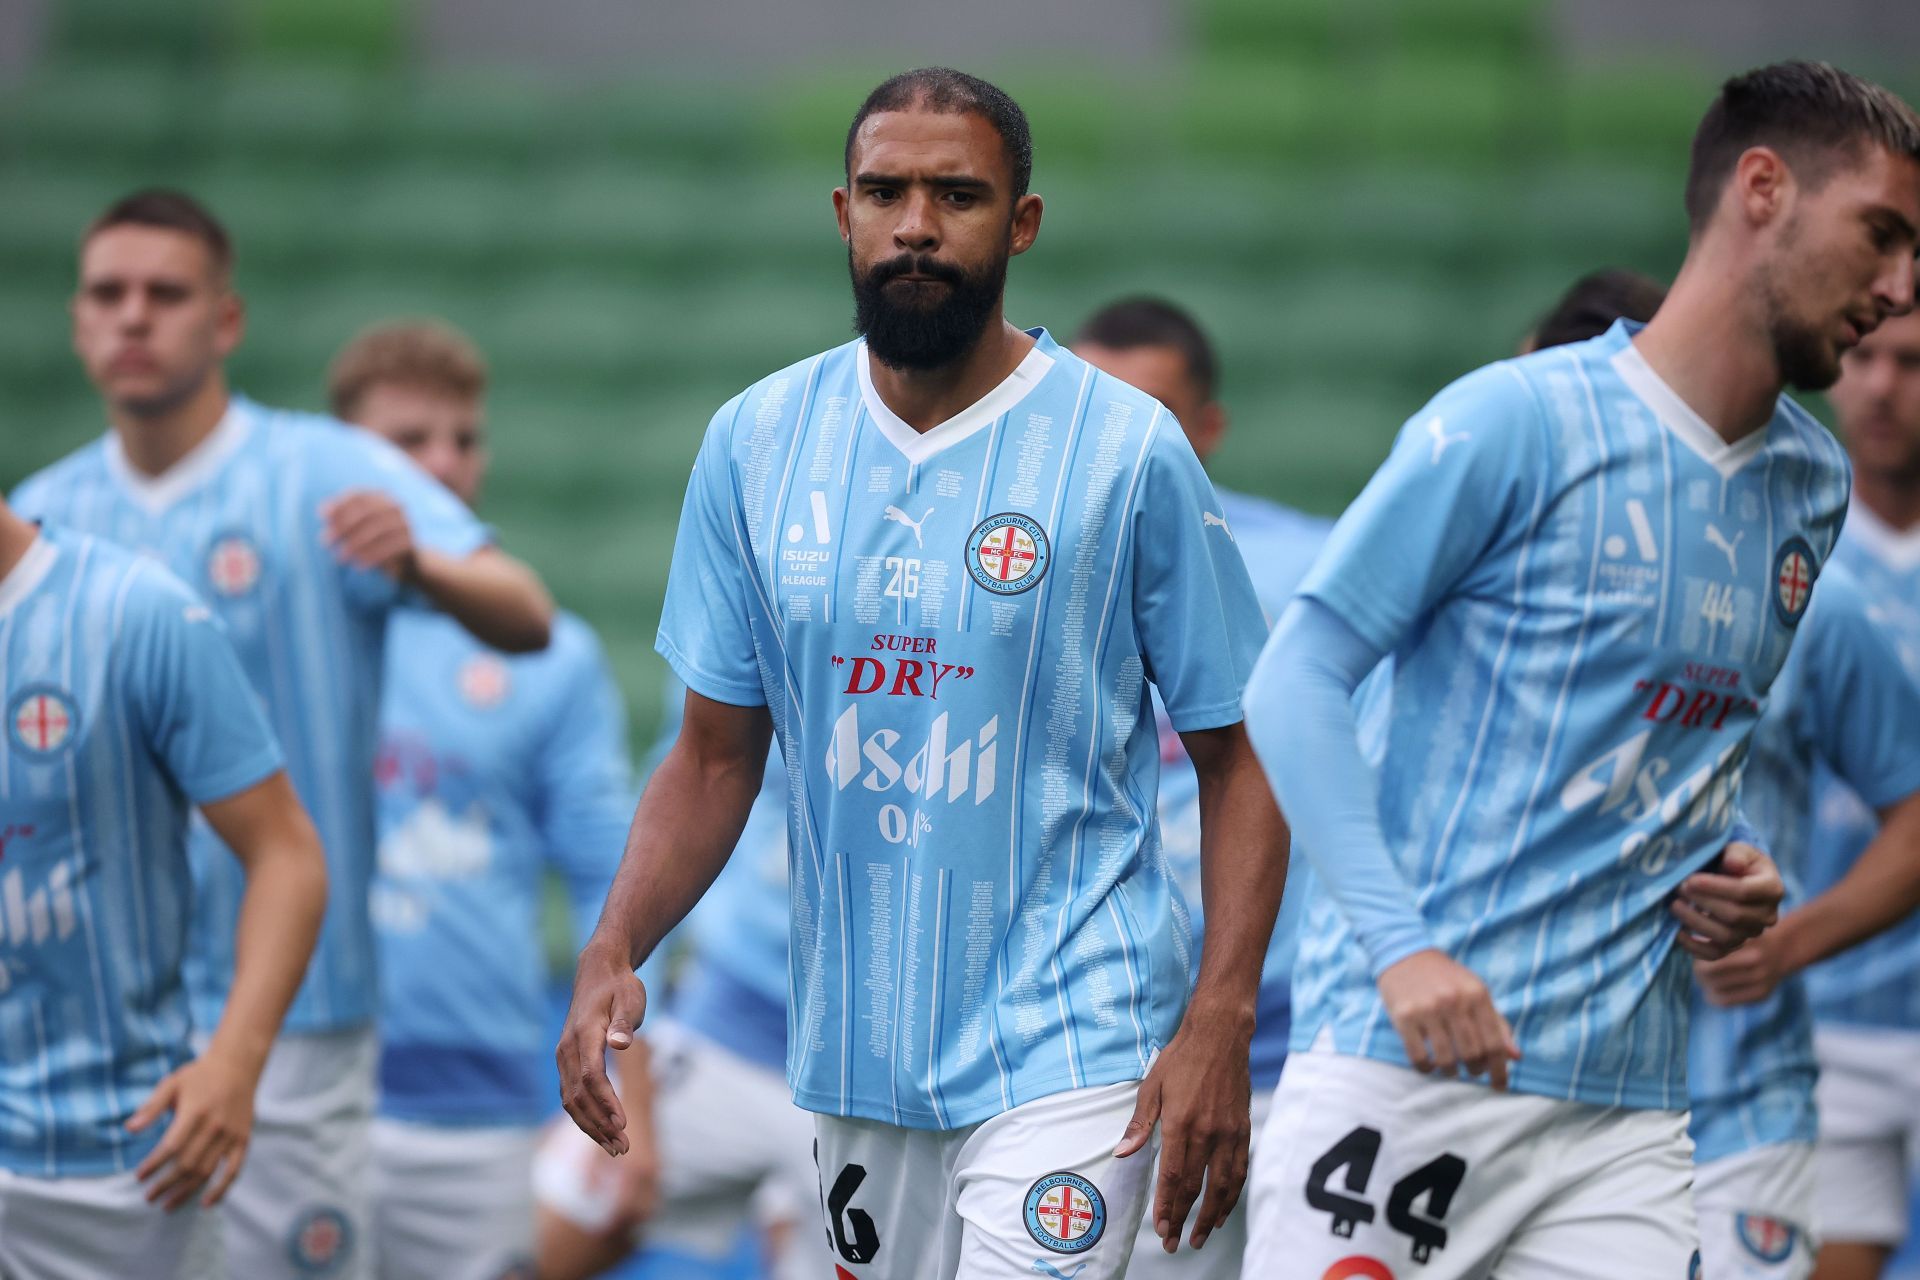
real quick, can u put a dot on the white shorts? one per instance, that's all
(1225, 1249)
(1373, 1170)
(87, 1228)
(452, 1203)
(1869, 1103)
(1755, 1212)
(1032, 1191)
(733, 1150)
(299, 1210)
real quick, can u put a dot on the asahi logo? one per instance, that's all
(882, 760)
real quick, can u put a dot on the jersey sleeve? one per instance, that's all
(706, 629)
(586, 780)
(196, 707)
(351, 459)
(1456, 486)
(1199, 621)
(1862, 702)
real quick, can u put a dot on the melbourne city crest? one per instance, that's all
(1008, 553)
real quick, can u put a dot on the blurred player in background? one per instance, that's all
(1160, 349)
(303, 536)
(494, 770)
(125, 707)
(1867, 1004)
(732, 1147)
(943, 562)
(1592, 303)
(1589, 565)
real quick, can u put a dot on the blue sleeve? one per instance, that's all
(1195, 611)
(1301, 719)
(586, 780)
(1863, 704)
(706, 629)
(1458, 487)
(193, 701)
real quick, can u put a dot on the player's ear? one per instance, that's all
(840, 206)
(1026, 222)
(229, 322)
(1211, 429)
(1761, 184)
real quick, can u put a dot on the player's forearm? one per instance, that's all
(500, 601)
(280, 914)
(1880, 890)
(1301, 721)
(1243, 868)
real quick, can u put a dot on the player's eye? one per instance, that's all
(962, 199)
(168, 293)
(105, 294)
(883, 195)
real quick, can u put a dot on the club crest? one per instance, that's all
(1008, 553)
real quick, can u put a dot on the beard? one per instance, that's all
(1806, 360)
(923, 333)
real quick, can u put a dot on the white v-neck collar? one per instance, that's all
(29, 573)
(157, 493)
(1679, 417)
(918, 446)
(1896, 548)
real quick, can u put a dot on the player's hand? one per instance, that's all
(1446, 1017)
(1748, 976)
(608, 1005)
(369, 529)
(211, 1099)
(1199, 1093)
(1719, 911)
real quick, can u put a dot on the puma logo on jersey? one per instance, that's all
(898, 516)
(1731, 549)
(1437, 428)
(1044, 1268)
(1208, 518)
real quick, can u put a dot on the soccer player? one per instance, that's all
(944, 562)
(493, 770)
(1865, 1004)
(1588, 566)
(731, 1146)
(125, 709)
(1160, 349)
(303, 535)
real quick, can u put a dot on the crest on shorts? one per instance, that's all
(41, 719)
(1065, 1213)
(233, 565)
(1767, 1239)
(1793, 574)
(484, 681)
(320, 1241)
(1008, 553)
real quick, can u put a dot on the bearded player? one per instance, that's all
(945, 563)
(1579, 665)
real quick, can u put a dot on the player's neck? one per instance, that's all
(154, 443)
(1894, 499)
(16, 538)
(925, 398)
(1707, 346)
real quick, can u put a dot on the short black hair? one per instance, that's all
(1812, 113)
(173, 210)
(1595, 301)
(1154, 322)
(949, 92)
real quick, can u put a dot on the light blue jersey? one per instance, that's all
(125, 705)
(493, 770)
(955, 633)
(1278, 545)
(1843, 701)
(1876, 984)
(238, 519)
(1586, 594)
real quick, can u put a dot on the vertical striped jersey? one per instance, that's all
(1586, 593)
(1876, 984)
(238, 519)
(955, 632)
(125, 705)
(493, 770)
(1843, 701)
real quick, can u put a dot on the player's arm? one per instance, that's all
(687, 823)
(211, 1098)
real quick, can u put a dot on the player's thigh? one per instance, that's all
(1860, 1159)
(1620, 1200)
(1040, 1191)
(887, 1195)
(1755, 1212)
(85, 1228)
(300, 1207)
(452, 1203)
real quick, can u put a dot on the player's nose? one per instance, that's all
(918, 230)
(1895, 287)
